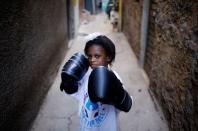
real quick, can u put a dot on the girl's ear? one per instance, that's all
(108, 59)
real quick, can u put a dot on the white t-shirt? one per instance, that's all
(95, 116)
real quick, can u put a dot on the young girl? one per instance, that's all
(97, 116)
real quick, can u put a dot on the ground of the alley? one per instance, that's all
(59, 111)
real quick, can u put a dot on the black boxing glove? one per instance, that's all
(105, 87)
(73, 71)
(68, 84)
(100, 86)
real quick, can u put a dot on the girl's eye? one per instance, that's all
(89, 57)
(97, 56)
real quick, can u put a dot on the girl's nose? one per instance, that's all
(92, 59)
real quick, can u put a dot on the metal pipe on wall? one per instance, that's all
(120, 16)
(144, 31)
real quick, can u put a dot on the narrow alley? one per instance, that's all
(59, 111)
(156, 57)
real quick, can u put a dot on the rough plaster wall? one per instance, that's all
(32, 45)
(131, 20)
(172, 60)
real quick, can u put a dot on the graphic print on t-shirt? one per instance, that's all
(93, 114)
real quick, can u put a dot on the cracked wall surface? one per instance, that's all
(171, 60)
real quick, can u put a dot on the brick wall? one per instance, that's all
(172, 60)
(131, 22)
(32, 45)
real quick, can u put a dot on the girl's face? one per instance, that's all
(97, 56)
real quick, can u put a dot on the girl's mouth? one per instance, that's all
(93, 65)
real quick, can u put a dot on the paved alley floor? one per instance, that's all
(59, 111)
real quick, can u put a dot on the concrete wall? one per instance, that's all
(131, 22)
(172, 60)
(32, 45)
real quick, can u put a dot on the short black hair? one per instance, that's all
(105, 43)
